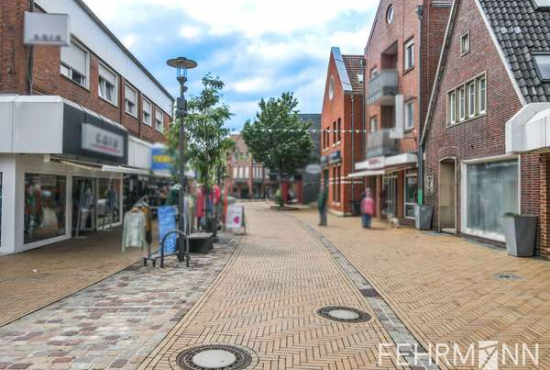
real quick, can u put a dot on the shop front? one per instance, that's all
(62, 172)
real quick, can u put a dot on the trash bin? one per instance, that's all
(423, 217)
(356, 207)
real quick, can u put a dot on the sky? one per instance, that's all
(259, 48)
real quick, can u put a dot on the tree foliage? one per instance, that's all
(277, 137)
(207, 139)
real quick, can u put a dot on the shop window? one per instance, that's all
(108, 84)
(147, 109)
(411, 195)
(108, 203)
(131, 98)
(492, 190)
(45, 205)
(75, 63)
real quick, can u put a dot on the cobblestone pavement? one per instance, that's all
(115, 323)
(266, 301)
(447, 290)
(34, 279)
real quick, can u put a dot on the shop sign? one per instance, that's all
(313, 169)
(324, 160)
(46, 29)
(335, 157)
(102, 141)
(376, 163)
(161, 159)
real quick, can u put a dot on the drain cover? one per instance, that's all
(218, 357)
(507, 276)
(344, 314)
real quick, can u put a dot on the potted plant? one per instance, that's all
(520, 233)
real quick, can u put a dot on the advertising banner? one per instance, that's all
(235, 218)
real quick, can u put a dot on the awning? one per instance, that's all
(529, 129)
(366, 174)
(125, 170)
(385, 163)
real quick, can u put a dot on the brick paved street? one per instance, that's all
(61, 269)
(445, 289)
(113, 324)
(266, 301)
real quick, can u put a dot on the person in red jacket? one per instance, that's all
(200, 207)
(367, 209)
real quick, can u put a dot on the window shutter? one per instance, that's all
(130, 94)
(76, 58)
(107, 75)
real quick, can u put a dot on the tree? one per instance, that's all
(207, 140)
(278, 138)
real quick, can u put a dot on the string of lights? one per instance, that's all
(313, 131)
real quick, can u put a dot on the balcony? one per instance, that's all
(381, 144)
(383, 87)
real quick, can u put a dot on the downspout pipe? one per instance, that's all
(352, 148)
(30, 59)
(420, 179)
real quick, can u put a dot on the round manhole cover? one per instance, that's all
(344, 314)
(218, 357)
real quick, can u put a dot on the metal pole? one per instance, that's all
(183, 180)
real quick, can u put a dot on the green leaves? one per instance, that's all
(278, 138)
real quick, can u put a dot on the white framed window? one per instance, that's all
(411, 195)
(465, 44)
(471, 99)
(147, 109)
(373, 124)
(108, 84)
(462, 103)
(246, 172)
(75, 63)
(130, 100)
(373, 72)
(452, 107)
(159, 123)
(482, 95)
(390, 14)
(409, 115)
(409, 54)
(235, 172)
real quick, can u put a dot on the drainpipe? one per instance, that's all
(30, 60)
(352, 148)
(420, 13)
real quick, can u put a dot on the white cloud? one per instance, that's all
(190, 32)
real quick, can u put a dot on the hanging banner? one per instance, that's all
(167, 223)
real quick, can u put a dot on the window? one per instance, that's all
(147, 109)
(462, 103)
(409, 115)
(235, 172)
(452, 107)
(390, 13)
(246, 172)
(471, 99)
(45, 206)
(75, 63)
(465, 44)
(131, 98)
(482, 91)
(373, 72)
(158, 121)
(331, 88)
(492, 190)
(542, 61)
(108, 203)
(339, 129)
(409, 54)
(108, 84)
(373, 124)
(334, 133)
(411, 195)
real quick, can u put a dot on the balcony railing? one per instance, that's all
(383, 87)
(381, 144)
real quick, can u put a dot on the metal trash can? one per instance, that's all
(356, 208)
(423, 217)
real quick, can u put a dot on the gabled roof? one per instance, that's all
(521, 29)
(348, 67)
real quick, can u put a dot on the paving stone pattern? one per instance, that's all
(113, 324)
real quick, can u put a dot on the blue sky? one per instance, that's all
(259, 48)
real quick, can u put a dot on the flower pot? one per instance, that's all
(520, 233)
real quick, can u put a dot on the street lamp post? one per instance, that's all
(182, 65)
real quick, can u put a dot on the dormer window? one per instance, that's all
(541, 4)
(542, 62)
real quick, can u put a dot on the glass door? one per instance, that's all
(390, 196)
(84, 205)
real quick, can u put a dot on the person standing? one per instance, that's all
(322, 206)
(367, 209)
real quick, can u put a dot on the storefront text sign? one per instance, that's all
(162, 160)
(102, 141)
(46, 29)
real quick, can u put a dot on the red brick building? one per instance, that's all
(484, 131)
(340, 147)
(401, 60)
(78, 124)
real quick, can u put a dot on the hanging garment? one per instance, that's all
(134, 230)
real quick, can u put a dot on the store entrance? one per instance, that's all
(390, 196)
(84, 210)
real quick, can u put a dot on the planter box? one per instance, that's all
(520, 232)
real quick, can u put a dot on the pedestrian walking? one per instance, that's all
(322, 206)
(367, 209)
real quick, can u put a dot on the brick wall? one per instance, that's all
(47, 79)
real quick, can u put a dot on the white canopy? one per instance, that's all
(529, 129)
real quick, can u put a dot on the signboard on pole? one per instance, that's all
(161, 159)
(46, 29)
